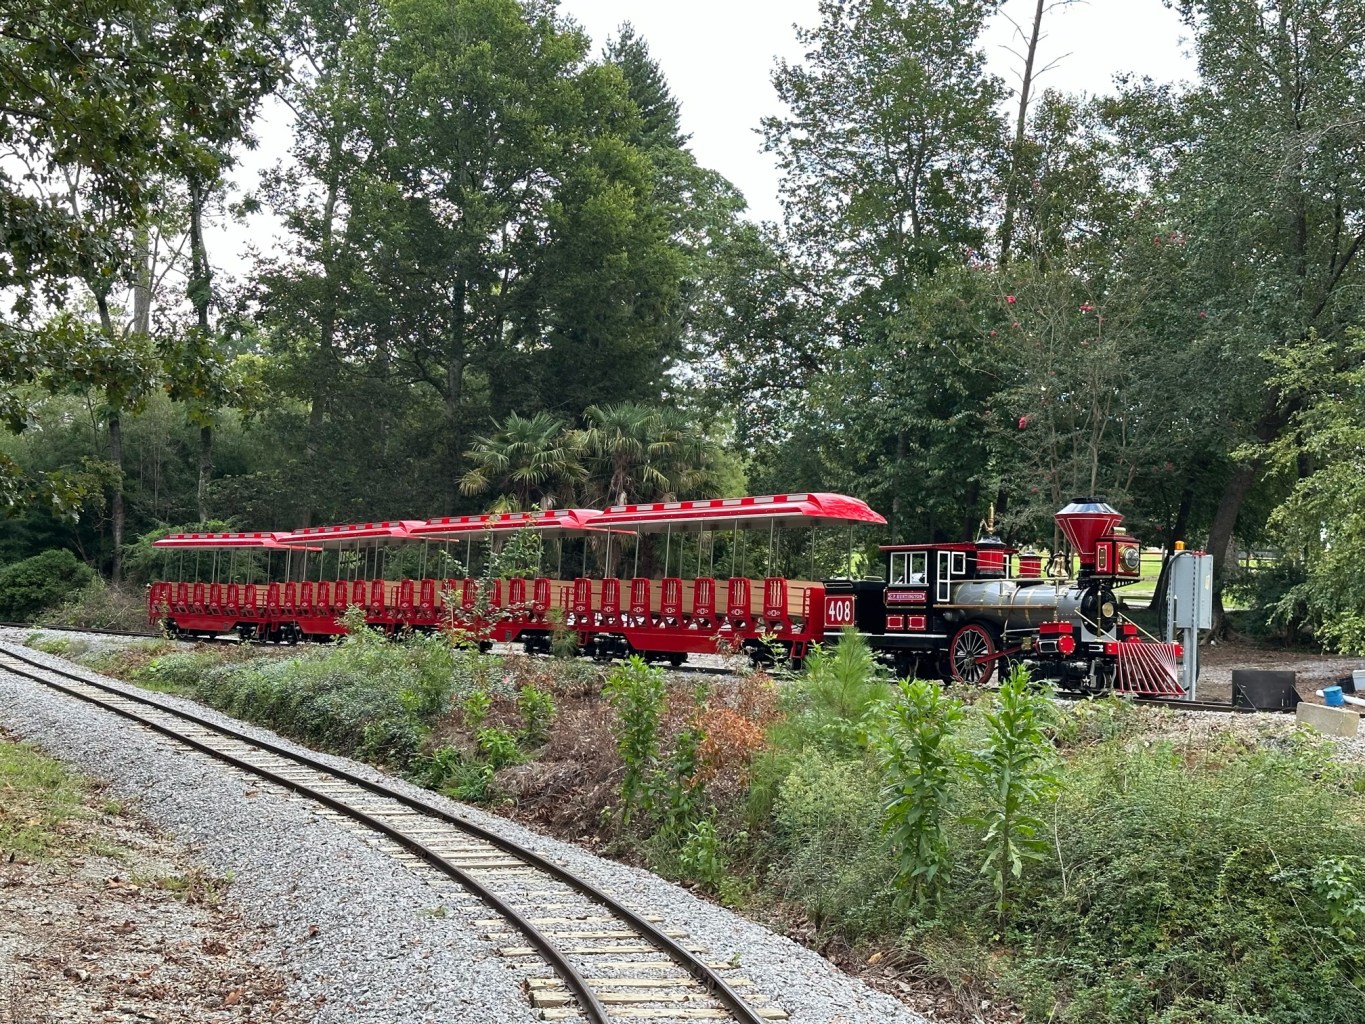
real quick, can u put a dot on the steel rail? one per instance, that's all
(593, 1008)
(708, 979)
(1176, 703)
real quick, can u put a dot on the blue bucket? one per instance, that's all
(1332, 697)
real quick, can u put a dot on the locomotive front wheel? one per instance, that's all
(973, 652)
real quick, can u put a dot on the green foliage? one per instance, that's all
(832, 858)
(101, 605)
(537, 710)
(1320, 525)
(675, 791)
(448, 770)
(703, 857)
(532, 461)
(836, 690)
(36, 584)
(1016, 769)
(563, 640)
(1201, 885)
(367, 696)
(914, 742)
(39, 796)
(825, 709)
(635, 690)
(475, 707)
(498, 747)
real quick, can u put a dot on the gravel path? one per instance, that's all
(364, 938)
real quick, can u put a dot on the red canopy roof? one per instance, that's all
(549, 520)
(206, 541)
(819, 509)
(341, 536)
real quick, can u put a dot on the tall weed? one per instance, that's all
(1017, 771)
(635, 690)
(921, 764)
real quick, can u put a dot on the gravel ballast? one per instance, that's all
(365, 938)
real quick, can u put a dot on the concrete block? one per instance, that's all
(1328, 721)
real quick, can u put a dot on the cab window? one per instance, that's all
(908, 568)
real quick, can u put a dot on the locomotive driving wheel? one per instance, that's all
(973, 652)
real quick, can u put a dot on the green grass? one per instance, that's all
(37, 795)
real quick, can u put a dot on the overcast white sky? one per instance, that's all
(718, 56)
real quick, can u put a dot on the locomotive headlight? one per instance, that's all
(1130, 559)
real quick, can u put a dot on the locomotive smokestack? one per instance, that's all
(1084, 522)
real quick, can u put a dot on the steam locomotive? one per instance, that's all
(954, 611)
(950, 610)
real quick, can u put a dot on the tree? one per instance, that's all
(533, 460)
(1320, 525)
(886, 154)
(886, 159)
(1262, 172)
(110, 115)
(504, 253)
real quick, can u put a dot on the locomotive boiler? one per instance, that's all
(956, 611)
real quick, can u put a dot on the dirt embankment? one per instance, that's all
(120, 925)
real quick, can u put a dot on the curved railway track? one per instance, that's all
(1176, 703)
(610, 965)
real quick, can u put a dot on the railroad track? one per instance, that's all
(1179, 703)
(609, 962)
(140, 634)
(226, 639)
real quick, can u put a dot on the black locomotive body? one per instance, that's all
(963, 611)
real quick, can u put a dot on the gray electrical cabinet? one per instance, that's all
(1189, 608)
(1191, 590)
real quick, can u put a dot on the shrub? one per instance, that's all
(1016, 770)
(475, 708)
(824, 709)
(537, 710)
(100, 605)
(1196, 884)
(498, 747)
(367, 695)
(635, 691)
(831, 857)
(702, 857)
(920, 765)
(32, 586)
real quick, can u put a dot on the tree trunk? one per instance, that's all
(116, 508)
(896, 483)
(1221, 532)
(200, 291)
(1175, 532)
(205, 470)
(324, 375)
(457, 354)
(1017, 148)
(142, 287)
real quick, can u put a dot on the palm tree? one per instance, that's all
(533, 461)
(629, 449)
